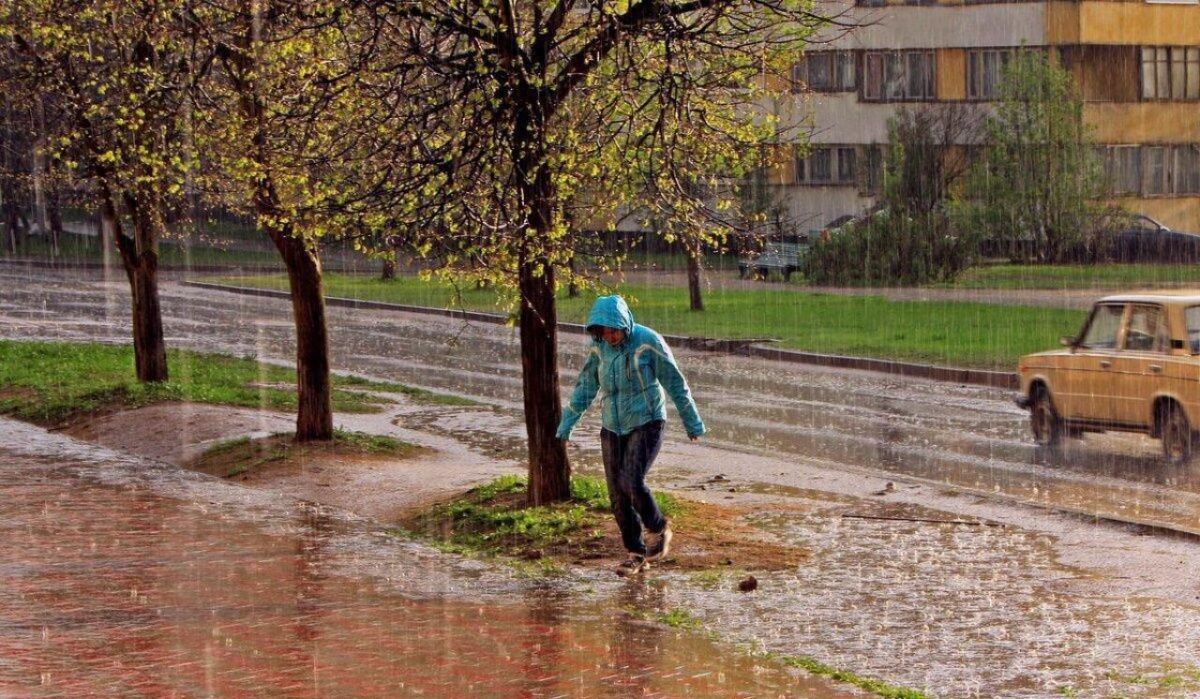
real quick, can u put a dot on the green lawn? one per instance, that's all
(1100, 277)
(949, 333)
(80, 248)
(50, 382)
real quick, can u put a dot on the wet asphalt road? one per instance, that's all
(970, 438)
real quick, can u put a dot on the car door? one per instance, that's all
(1084, 382)
(1137, 369)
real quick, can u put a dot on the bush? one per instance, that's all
(891, 249)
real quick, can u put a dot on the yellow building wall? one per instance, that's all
(1143, 122)
(1138, 23)
(1176, 213)
(952, 74)
(1062, 23)
(1127, 23)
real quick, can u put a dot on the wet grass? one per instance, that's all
(940, 332)
(51, 383)
(493, 520)
(1099, 277)
(240, 456)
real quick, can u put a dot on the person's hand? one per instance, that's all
(694, 438)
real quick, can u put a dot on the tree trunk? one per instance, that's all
(572, 286)
(389, 269)
(139, 256)
(549, 468)
(314, 418)
(692, 252)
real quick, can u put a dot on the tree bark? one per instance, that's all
(692, 252)
(139, 256)
(314, 418)
(389, 269)
(549, 467)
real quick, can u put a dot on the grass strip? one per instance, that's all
(493, 519)
(1058, 277)
(51, 383)
(939, 332)
(876, 687)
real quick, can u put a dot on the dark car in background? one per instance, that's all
(1142, 239)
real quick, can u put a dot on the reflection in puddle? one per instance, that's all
(112, 588)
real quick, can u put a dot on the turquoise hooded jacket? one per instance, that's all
(630, 377)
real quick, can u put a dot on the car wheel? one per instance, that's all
(1044, 420)
(1176, 435)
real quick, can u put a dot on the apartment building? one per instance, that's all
(1136, 63)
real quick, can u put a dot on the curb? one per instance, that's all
(80, 264)
(748, 348)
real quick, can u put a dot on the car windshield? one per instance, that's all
(1102, 327)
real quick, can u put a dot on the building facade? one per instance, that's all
(1136, 64)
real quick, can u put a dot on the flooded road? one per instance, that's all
(126, 578)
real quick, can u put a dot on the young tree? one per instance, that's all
(120, 72)
(910, 238)
(514, 108)
(284, 121)
(1038, 186)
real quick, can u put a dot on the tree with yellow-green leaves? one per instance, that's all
(516, 116)
(287, 131)
(120, 73)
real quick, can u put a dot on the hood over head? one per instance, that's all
(611, 312)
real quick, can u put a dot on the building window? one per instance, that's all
(985, 68)
(1123, 165)
(898, 75)
(1186, 170)
(872, 170)
(827, 165)
(1170, 72)
(826, 71)
(1153, 170)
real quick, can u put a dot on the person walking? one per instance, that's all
(630, 365)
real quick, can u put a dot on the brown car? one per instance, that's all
(1135, 367)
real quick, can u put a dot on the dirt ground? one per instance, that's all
(400, 489)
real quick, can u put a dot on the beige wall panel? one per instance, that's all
(1144, 122)
(1176, 213)
(901, 27)
(1139, 23)
(813, 207)
(952, 74)
(839, 118)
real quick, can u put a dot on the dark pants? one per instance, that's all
(627, 458)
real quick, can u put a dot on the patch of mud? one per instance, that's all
(177, 432)
(384, 489)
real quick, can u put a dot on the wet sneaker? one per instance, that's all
(632, 565)
(661, 545)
